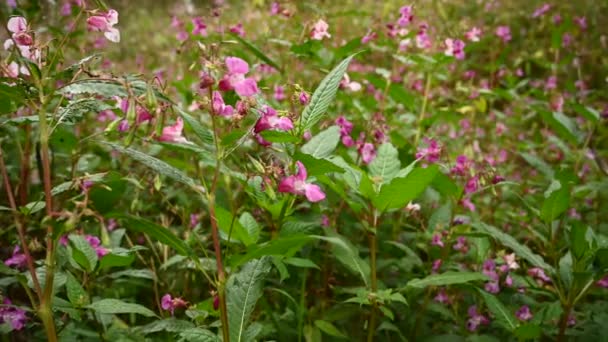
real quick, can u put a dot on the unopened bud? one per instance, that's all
(206, 81)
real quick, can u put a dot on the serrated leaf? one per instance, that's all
(323, 144)
(116, 306)
(386, 165)
(75, 110)
(155, 231)
(155, 164)
(278, 136)
(83, 253)
(76, 293)
(243, 290)
(519, 249)
(315, 166)
(251, 225)
(300, 262)
(499, 311)
(198, 335)
(447, 278)
(323, 95)
(400, 191)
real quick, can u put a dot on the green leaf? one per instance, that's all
(202, 132)
(589, 113)
(447, 278)
(198, 335)
(282, 246)
(231, 227)
(323, 95)
(75, 110)
(155, 164)
(169, 325)
(519, 249)
(257, 52)
(251, 225)
(315, 166)
(105, 88)
(7, 270)
(76, 293)
(83, 253)
(538, 164)
(119, 257)
(563, 125)
(400, 191)
(557, 200)
(243, 290)
(116, 306)
(528, 331)
(278, 136)
(157, 232)
(386, 165)
(499, 311)
(347, 254)
(323, 144)
(299, 262)
(329, 329)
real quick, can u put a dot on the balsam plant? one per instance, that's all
(294, 171)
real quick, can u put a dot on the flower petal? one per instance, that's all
(288, 185)
(236, 65)
(314, 193)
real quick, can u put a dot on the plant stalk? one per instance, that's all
(421, 116)
(371, 328)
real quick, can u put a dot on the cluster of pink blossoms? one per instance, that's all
(169, 303)
(297, 185)
(104, 22)
(12, 315)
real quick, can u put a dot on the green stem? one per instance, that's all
(371, 328)
(221, 275)
(302, 305)
(425, 100)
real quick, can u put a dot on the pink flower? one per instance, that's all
(436, 241)
(319, 30)
(454, 47)
(436, 265)
(279, 93)
(472, 185)
(235, 78)
(200, 28)
(367, 152)
(492, 287)
(12, 315)
(347, 84)
(297, 185)
(105, 22)
(174, 133)
(539, 275)
(96, 244)
(18, 27)
(219, 107)
(476, 319)
(169, 303)
(442, 297)
(422, 40)
(541, 10)
(461, 167)
(406, 16)
(270, 120)
(431, 153)
(510, 261)
(504, 33)
(603, 282)
(524, 314)
(238, 29)
(369, 36)
(461, 245)
(581, 22)
(473, 34)
(304, 98)
(18, 259)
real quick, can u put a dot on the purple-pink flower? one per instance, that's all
(18, 28)
(504, 33)
(473, 34)
(429, 153)
(270, 120)
(219, 107)
(12, 315)
(475, 319)
(18, 259)
(539, 12)
(104, 22)
(169, 303)
(297, 184)
(235, 78)
(367, 152)
(524, 314)
(174, 132)
(200, 28)
(454, 47)
(96, 244)
(319, 30)
(436, 241)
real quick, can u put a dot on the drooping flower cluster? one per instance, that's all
(104, 22)
(296, 184)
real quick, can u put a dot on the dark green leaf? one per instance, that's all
(400, 191)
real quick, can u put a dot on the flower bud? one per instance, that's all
(206, 81)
